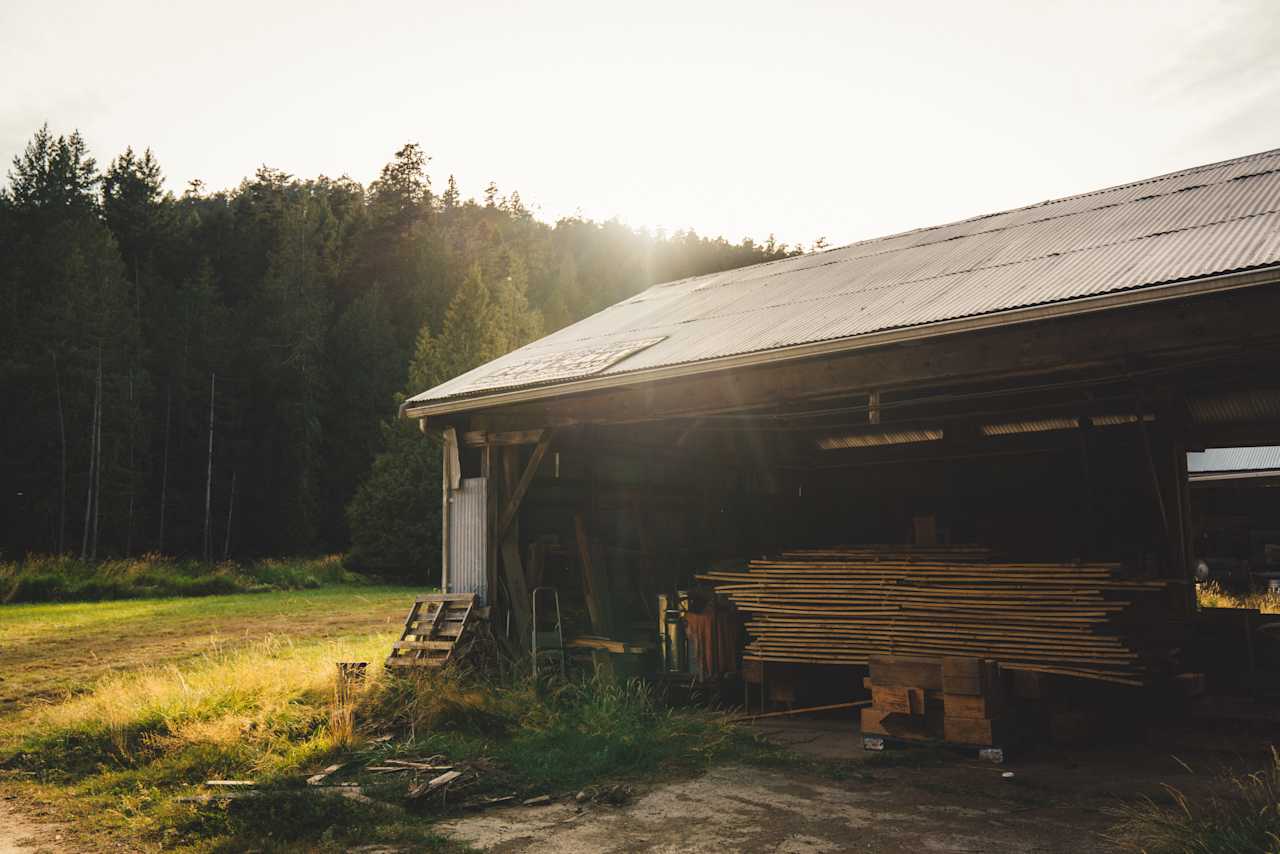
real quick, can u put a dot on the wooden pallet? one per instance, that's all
(435, 623)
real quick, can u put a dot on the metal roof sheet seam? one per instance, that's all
(1198, 223)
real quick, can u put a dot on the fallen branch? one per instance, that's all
(317, 779)
(854, 705)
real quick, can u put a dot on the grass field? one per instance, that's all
(111, 710)
(114, 714)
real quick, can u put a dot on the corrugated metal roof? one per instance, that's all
(1208, 220)
(1234, 459)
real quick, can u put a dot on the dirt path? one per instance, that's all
(1050, 802)
(21, 834)
(752, 810)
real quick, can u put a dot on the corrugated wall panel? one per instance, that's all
(468, 521)
(1234, 459)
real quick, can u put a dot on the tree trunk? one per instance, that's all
(93, 464)
(128, 532)
(97, 469)
(62, 484)
(208, 481)
(231, 507)
(164, 472)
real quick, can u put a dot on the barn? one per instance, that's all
(905, 466)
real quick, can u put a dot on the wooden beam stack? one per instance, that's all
(842, 606)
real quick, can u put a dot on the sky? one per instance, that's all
(805, 120)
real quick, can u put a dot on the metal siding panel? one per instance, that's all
(467, 531)
(1234, 459)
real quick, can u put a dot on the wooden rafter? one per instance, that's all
(517, 494)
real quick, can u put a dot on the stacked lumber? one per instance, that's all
(842, 606)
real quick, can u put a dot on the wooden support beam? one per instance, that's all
(488, 470)
(513, 572)
(517, 491)
(481, 438)
(593, 583)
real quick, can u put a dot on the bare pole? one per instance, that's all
(208, 482)
(164, 475)
(231, 507)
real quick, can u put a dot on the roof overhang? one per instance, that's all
(1107, 302)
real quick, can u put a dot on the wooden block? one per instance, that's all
(969, 706)
(915, 701)
(981, 732)
(897, 699)
(974, 676)
(907, 727)
(900, 670)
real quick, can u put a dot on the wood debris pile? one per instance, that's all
(842, 606)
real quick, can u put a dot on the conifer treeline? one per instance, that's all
(291, 310)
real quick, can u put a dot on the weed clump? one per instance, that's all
(1241, 816)
(558, 736)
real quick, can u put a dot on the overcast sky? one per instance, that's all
(845, 120)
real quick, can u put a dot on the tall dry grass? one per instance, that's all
(263, 709)
(1211, 595)
(1240, 816)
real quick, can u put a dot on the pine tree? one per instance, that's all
(450, 199)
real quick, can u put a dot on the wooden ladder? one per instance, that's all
(435, 623)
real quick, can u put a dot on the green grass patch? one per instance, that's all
(61, 578)
(555, 737)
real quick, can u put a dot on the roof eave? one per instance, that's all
(1085, 305)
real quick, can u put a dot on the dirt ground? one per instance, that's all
(897, 801)
(23, 833)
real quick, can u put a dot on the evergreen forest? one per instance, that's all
(215, 374)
